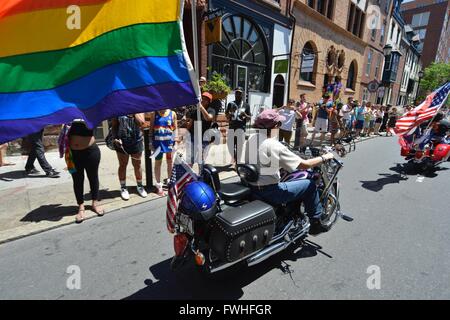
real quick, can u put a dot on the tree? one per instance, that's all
(434, 76)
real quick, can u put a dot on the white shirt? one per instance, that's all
(345, 114)
(270, 156)
(289, 114)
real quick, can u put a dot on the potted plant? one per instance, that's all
(217, 86)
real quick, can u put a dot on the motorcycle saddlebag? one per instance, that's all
(240, 231)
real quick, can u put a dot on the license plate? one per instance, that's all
(186, 222)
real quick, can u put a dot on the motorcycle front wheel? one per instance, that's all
(331, 208)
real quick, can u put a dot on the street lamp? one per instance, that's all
(387, 50)
(420, 74)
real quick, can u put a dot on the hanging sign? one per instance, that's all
(213, 30)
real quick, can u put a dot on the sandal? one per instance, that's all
(100, 212)
(80, 220)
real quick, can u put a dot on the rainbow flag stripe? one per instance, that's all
(128, 56)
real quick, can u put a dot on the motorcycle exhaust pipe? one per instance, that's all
(266, 253)
(276, 248)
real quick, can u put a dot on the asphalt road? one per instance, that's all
(400, 229)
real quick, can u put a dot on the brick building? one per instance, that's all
(375, 35)
(430, 19)
(328, 43)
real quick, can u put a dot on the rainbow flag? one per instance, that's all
(91, 59)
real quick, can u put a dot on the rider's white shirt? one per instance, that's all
(270, 156)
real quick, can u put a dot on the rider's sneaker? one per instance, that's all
(124, 193)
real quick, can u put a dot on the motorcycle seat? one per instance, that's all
(231, 192)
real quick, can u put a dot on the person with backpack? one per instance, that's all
(129, 143)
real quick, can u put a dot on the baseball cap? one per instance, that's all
(207, 95)
(268, 119)
(239, 89)
(203, 79)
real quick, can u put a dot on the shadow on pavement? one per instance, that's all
(51, 212)
(402, 173)
(190, 283)
(18, 174)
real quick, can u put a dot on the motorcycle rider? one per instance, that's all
(269, 155)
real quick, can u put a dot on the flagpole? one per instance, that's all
(198, 123)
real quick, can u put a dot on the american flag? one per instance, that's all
(425, 111)
(181, 175)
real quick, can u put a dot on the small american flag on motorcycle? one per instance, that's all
(181, 175)
(425, 111)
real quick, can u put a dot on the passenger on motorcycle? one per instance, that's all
(269, 155)
(437, 133)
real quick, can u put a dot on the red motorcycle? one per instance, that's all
(427, 158)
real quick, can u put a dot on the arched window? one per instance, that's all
(308, 62)
(242, 54)
(352, 72)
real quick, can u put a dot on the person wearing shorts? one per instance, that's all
(129, 143)
(321, 125)
(164, 130)
(360, 115)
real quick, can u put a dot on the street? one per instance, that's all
(400, 226)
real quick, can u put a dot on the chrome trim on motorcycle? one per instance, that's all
(276, 248)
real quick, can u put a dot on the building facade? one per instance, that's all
(375, 35)
(410, 72)
(328, 45)
(430, 19)
(394, 57)
(255, 49)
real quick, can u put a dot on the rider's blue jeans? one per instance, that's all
(286, 192)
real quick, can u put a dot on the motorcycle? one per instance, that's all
(246, 229)
(428, 158)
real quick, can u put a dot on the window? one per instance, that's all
(422, 33)
(392, 30)
(420, 19)
(351, 79)
(383, 26)
(386, 7)
(378, 65)
(369, 62)
(356, 20)
(308, 63)
(324, 7)
(366, 95)
(243, 44)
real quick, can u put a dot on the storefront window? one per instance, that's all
(243, 47)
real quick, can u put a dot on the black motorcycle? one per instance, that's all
(245, 229)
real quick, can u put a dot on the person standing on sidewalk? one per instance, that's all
(345, 113)
(37, 151)
(360, 114)
(321, 125)
(288, 112)
(237, 113)
(163, 124)
(379, 114)
(84, 155)
(3, 148)
(129, 142)
(301, 124)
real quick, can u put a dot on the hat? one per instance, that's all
(268, 119)
(207, 95)
(239, 89)
(203, 79)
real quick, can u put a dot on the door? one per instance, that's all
(241, 78)
(278, 91)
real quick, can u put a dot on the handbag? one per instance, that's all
(109, 140)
